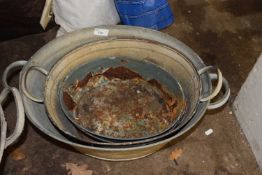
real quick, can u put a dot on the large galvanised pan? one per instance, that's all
(140, 49)
(51, 53)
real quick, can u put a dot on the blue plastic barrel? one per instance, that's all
(138, 7)
(154, 14)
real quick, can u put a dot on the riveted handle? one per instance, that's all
(24, 84)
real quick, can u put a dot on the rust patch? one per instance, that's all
(165, 92)
(83, 82)
(121, 73)
(68, 101)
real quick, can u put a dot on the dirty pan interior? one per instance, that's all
(122, 99)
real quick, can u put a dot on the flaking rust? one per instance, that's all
(119, 103)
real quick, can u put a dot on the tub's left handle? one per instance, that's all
(20, 121)
(24, 84)
(9, 68)
(20, 114)
(3, 132)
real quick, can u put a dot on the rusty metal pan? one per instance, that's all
(156, 53)
(123, 100)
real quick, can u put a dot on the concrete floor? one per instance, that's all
(225, 33)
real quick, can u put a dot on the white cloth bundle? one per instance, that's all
(75, 14)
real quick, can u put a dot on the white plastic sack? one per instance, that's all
(76, 14)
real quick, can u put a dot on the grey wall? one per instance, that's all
(248, 109)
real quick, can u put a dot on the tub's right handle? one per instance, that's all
(226, 90)
(24, 84)
(221, 84)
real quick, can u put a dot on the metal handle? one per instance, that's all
(19, 113)
(5, 142)
(218, 86)
(19, 103)
(3, 132)
(224, 98)
(24, 84)
(15, 64)
(20, 121)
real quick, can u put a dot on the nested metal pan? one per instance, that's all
(159, 54)
(128, 104)
(52, 52)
